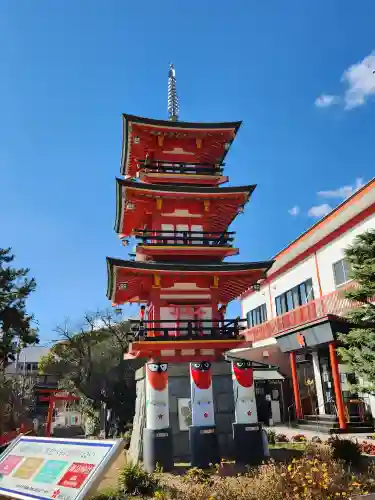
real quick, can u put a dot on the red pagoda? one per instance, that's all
(171, 200)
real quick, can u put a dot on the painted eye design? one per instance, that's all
(163, 367)
(239, 364)
(206, 365)
(197, 366)
(153, 367)
(248, 364)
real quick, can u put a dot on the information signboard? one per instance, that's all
(49, 468)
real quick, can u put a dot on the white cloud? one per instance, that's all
(319, 210)
(360, 78)
(294, 211)
(343, 192)
(326, 100)
(360, 81)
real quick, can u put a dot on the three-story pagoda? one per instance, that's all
(171, 200)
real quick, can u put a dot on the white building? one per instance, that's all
(298, 307)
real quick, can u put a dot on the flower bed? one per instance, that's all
(368, 448)
(299, 438)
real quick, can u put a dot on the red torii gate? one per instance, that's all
(55, 396)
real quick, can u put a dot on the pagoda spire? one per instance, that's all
(173, 105)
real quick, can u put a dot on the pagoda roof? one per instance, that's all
(142, 197)
(178, 141)
(132, 281)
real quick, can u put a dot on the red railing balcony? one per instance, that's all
(335, 304)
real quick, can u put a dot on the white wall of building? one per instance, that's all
(334, 252)
(326, 257)
(301, 272)
(257, 299)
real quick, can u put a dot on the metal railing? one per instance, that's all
(187, 329)
(293, 405)
(334, 303)
(329, 402)
(164, 167)
(156, 237)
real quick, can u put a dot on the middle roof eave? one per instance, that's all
(122, 185)
(186, 188)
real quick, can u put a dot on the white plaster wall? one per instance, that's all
(265, 342)
(257, 299)
(306, 269)
(334, 251)
(301, 272)
(167, 313)
(298, 274)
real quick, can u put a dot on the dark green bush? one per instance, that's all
(134, 480)
(345, 449)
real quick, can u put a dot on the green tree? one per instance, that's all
(16, 331)
(358, 346)
(15, 323)
(90, 362)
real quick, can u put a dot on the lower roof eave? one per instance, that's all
(188, 267)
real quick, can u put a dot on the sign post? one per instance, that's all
(49, 468)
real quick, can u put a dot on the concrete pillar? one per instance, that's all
(202, 433)
(318, 383)
(157, 436)
(250, 441)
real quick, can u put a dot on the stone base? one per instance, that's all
(204, 446)
(157, 449)
(249, 445)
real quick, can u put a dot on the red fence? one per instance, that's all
(7, 437)
(334, 303)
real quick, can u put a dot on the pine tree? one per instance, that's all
(358, 351)
(16, 329)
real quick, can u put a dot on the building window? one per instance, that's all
(341, 272)
(295, 297)
(257, 316)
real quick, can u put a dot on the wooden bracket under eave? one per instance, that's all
(156, 283)
(206, 205)
(198, 142)
(160, 140)
(216, 282)
(159, 203)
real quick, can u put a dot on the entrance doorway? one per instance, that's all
(327, 382)
(306, 382)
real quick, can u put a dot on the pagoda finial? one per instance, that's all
(173, 106)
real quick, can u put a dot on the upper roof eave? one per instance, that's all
(179, 124)
(170, 124)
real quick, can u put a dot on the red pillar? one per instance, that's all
(297, 399)
(337, 387)
(51, 407)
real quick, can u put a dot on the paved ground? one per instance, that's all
(292, 431)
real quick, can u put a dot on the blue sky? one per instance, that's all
(70, 68)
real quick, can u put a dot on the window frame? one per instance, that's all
(345, 271)
(257, 316)
(303, 292)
